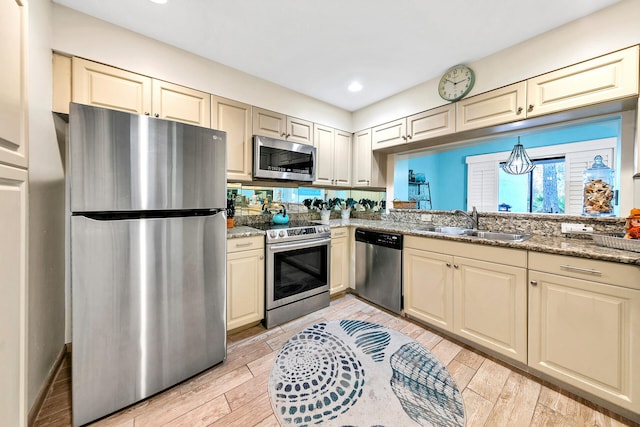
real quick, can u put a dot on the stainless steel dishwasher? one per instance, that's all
(379, 268)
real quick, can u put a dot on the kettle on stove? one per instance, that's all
(281, 217)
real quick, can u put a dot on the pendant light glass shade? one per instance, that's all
(518, 162)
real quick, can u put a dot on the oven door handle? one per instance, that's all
(279, 247)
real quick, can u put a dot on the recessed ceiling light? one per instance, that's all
(160, 1)
(355, 87)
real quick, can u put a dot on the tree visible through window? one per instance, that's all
(541, 190)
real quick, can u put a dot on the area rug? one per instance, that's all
(355, 373)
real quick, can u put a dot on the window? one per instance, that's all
(489, 186)
(542, 190)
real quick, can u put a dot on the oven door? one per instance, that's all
(296, 270)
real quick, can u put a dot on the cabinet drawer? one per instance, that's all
(245, 244)
(339, 232)
(582, 268)
(499, 255)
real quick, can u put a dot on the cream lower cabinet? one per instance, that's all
(13, 285)
(476, 292)
(245, 281)
(340, 260)
(584, 325)
(234, 118)
(104, 86)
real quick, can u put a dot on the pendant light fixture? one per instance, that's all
(518, 162)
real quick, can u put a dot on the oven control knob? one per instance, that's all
(273, 234)
(282, 233)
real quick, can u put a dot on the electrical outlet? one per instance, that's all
(566, 227)
(425, 217)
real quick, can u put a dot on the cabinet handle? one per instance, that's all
(404, 137)
(530, 109)
(288, 135)
(448, 264)
(240, 245)
(534, 283)
(284, 135)
(409, 137)
(455, 265)
(146, 113)
(156, 115)
(519, 111)
(581, 270)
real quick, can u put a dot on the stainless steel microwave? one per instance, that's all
(283, 160)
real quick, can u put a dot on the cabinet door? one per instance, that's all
(490, 306)
(182, 104)
(13, 107)
(602, 79)
(245, 288)
(339, 261)
(235, 119)
(428, 287)
(109, 87)
(323, 141)
(587, 335)
(13, 231)
(362, 158)
(300, 131)
(269, 123)
(432, 123)
(342, 158)
(389, 134)
(499, 106)
(61, 70)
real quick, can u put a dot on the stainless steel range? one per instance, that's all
(297, 270)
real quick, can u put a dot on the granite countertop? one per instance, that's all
(578, 247)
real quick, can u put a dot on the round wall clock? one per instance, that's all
(456, 83)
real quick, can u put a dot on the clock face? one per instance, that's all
(456, 82)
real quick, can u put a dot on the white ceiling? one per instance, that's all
(318, 47)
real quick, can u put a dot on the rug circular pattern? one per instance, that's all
(356, 373)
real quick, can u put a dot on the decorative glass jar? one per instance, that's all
(598, 195)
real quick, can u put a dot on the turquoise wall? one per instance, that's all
(446, 171)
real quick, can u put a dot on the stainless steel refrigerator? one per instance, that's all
(148, 256)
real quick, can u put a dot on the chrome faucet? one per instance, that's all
(473, 217)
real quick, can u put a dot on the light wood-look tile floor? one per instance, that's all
(234, 393)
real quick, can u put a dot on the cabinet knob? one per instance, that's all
(146, 113)
(284, 135)
(288, 135)
(530, 109)
(408, 136)
(455, 265)
(261, 257)
(404, 137)
(534, 282)
(156, 115)
(448, 264)
(519, 111)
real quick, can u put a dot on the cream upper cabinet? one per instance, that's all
(584, 325)
(179, 103)
(109, 87)
(235, 119)
(368, 167)
(13, 107)
(245, 281)
(389, 134)
(606, 78)
(279, 126)
(479, 295)
(13, 277)
(429, 124)
(333, 151)
(499, 106)
(340, 260)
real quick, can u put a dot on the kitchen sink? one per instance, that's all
(441, 229)
(498, 235)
